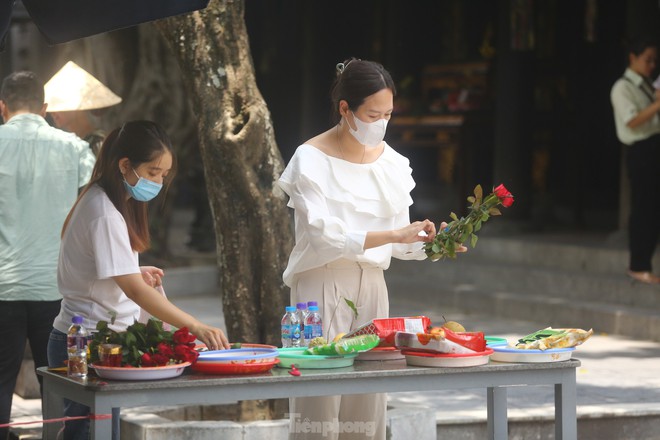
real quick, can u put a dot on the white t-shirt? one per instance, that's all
(337, 202)
(95, 247)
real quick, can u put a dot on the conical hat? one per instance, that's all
(72, 88)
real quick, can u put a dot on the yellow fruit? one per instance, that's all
(454, 326)
(338, 337)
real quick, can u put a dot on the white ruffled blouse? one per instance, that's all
(337, 202)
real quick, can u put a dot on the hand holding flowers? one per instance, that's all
(447, 241)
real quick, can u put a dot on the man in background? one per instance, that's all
(41, 171)
(75, 101)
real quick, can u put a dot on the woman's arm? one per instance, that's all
(407, 234)
(646, 114)
(134, 286)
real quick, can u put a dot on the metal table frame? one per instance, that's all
(105, 397)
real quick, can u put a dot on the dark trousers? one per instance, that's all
(22, 321)
(644, 226)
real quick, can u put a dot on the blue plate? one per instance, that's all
(237, 354)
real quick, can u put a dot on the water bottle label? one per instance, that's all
(76, 342)
(295, 331)
(313, 331)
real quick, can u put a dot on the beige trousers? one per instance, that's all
(351, 416)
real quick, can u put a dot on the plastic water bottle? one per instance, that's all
(302, 316)
(290, 328)
(313, 324)
(76, 343)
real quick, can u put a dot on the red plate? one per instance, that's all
(238, 368)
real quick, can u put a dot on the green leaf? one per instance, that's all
(352, 306)
(471, 199)
(436, 248)
(477, 225)
(478, 192)
(453, 216)
(469, 228)
(473, 241)
(494, 211)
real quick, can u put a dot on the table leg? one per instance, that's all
(53, 408)
(102, 428)
(497, 425)
(565, 408)
(115, 423)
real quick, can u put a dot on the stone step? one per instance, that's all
(566, 288)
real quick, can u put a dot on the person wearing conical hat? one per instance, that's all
(74, 98)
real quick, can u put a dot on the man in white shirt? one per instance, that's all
(41, 170)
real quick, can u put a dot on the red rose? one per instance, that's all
(160, 359)
(147, 361)
(183, 353)
(507, 201)
(501, 192)
(182, 336)
(165, 349)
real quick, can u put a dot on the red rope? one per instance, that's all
(62, 419)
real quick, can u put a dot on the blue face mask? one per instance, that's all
(144, 190)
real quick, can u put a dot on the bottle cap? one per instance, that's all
(312, 303)
(313, 308)
(77, 319)
(301, 305)
(290, 309)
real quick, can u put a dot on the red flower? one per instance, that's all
(147, 361)
(506, 198)
(183, 353)
(160, 359)
(182, 336)
(165, 349)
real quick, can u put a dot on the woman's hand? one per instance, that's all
(152, 275)
(416, 231)
(214, 338)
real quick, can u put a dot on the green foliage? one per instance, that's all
(462, 230)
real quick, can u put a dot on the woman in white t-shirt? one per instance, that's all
(98, 271)
(350, 192)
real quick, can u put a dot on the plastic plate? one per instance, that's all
(422, 359)
(295, 356)
(381, 354)
(236, 368)
(494, 341)
(512, 354)
(142, 373)
(238, 355)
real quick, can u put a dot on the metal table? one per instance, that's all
(102, 396)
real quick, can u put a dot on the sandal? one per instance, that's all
(644, 277)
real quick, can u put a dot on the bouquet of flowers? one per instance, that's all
(463, 230)
(146, 345)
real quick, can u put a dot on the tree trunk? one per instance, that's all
(241, 164)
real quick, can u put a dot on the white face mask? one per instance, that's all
(370, 134)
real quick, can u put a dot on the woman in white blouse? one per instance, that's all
(350, 192)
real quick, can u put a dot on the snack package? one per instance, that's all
(554, 338)
(356, 344)
(385, 328)
(431, 343)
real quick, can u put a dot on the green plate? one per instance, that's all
(295, 356)
(493, 341)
